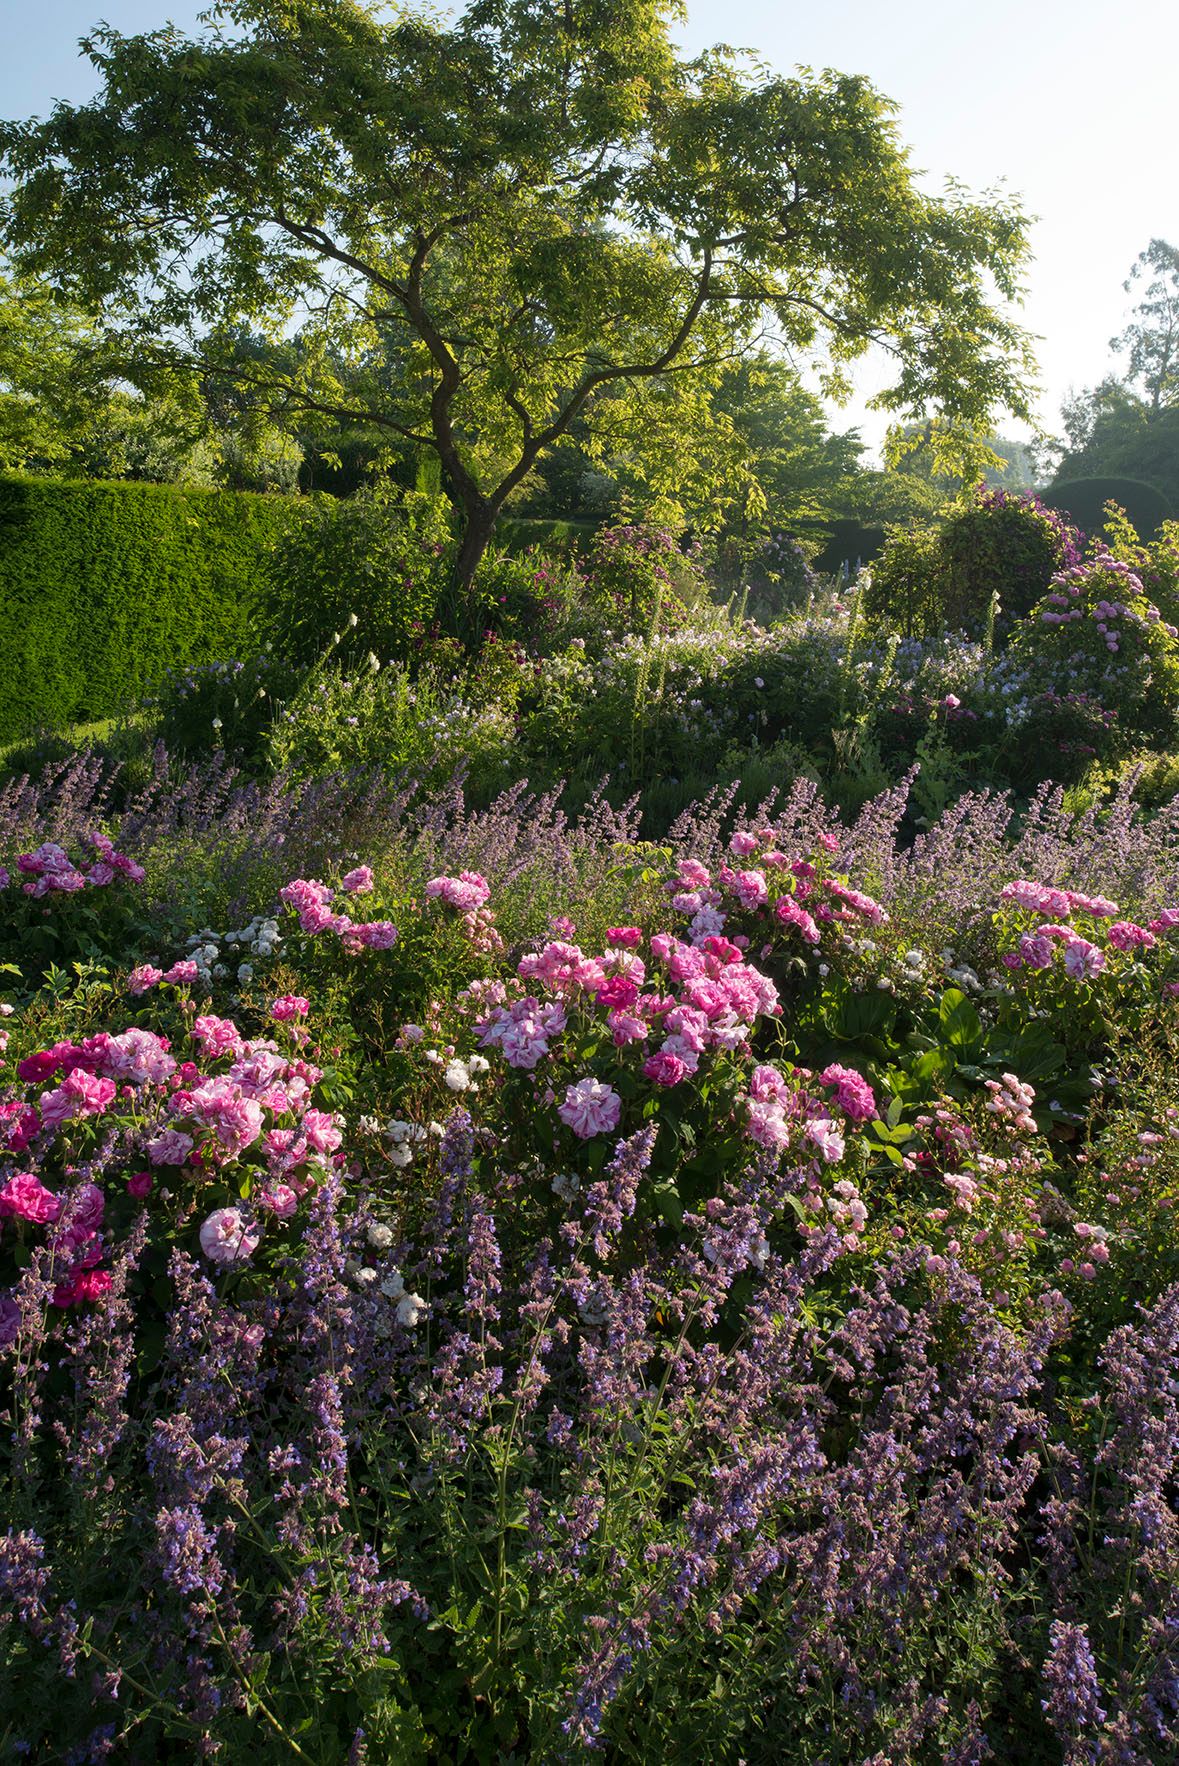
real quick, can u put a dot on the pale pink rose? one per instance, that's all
(279, 1199)
(1083, 960)
(322, 1131)
(767, 1125)
(358, 882)
(826, 1139)
(170, 1147)
(768, 1084)
(226, 1238)
(590, 1108)
(217, 1036)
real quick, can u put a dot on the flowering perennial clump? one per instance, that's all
(747, 1264)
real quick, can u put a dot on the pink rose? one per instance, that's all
(289, 1005)
(26, 1197)
(590, 1108)
(279, 1199)
(664, 1068)
(183, 973)
(226, 1238)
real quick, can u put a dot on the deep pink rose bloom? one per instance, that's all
(289, 1005)
(664, 1068)
(182, 974)
(26, 1197)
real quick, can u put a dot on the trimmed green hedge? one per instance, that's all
(104, 586)
(1084, 500)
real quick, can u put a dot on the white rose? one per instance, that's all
(411, 1310)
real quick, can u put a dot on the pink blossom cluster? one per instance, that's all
(1012, 1100)
(853, 1094)
(467, 892)
(49, 869)
(1064, 604)
(782, 1113)
(1057, 904)
(674, 1005)
(242, 1101)
(311, 901)
(145, 976)
(78, 1248)
(523, 1032)
(795, 892)
(1083, 959)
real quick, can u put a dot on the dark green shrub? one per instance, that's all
(365, 574)
(229, 705)
(536, 599)
(105, 586)
(907, 583)
(992, 558)
(641, 572)
(842, 542)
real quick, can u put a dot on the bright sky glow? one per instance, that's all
(1070, 102)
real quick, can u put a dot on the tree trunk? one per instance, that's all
(476, 537)
(480, 524)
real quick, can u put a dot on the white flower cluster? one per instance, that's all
(460, 1075)
(212, 951)
(403, 1138)
(913, 965)
(410, 1309)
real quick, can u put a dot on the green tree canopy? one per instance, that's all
(1152, 337)
(554, 217)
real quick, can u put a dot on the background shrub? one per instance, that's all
(998, 549)
(105, 586)
(367, 572)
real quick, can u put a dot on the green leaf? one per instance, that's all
(960, 1023)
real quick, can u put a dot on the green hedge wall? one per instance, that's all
(104, 586)
(1084, 500)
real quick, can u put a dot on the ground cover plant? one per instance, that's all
(478, 1285)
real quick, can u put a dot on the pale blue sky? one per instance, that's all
(1071, 102)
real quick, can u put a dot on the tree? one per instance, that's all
(557, 219)
(1111, 432)
(67, 407)
(1152, 337)
(54, 386)
(1016, 465)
